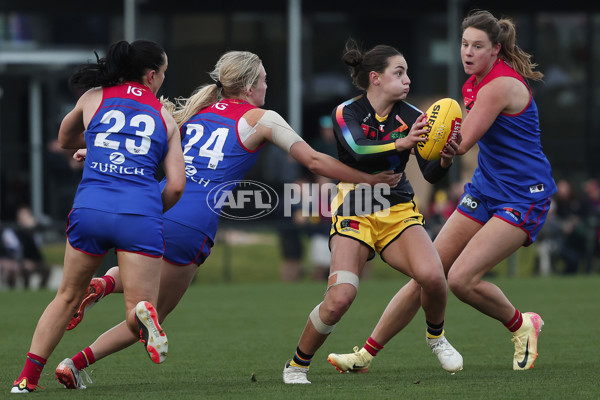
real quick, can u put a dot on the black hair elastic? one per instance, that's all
(219, 84)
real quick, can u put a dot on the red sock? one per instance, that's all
(33, 369)
(515, 323)
(110, 284)
(372, 346)
(84, 358)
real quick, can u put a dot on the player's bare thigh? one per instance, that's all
(491, 244)
(453, 237)
(174, 282)
(348, 254)
(78, 270)
(140, 276)
(413, 254)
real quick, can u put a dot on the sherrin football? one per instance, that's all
(443, 119)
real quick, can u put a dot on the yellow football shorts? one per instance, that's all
(379, 229)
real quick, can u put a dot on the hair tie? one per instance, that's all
(219, 84)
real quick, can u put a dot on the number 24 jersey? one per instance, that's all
(215, 158)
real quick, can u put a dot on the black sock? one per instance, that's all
(301, 358)
(435, 330)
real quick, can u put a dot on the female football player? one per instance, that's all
(507, 201)
(118, 203)
(223, 128)
(377, 131)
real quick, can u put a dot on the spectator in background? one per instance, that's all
(29, 235)
(325, 141)
(20, 252)
(548, 243)
(290, 241)
(10, 253)
(571, 215)
(440, 208)
(292, 250)
(592, 200)
(290, 235)
(316, 223)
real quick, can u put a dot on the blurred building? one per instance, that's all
(42, 43)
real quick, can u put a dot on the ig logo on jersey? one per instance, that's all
(242, 200)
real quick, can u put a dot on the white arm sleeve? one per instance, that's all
(282, 133)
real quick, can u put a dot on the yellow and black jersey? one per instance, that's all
(366, 142)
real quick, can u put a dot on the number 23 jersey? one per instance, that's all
(126, 142)
(215, 158)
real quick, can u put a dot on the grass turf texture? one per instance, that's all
(222, 335)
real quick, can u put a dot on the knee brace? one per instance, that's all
(339, 277)
(319, 325)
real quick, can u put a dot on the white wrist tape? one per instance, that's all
(282, 133)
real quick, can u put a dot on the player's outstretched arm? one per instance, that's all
(325, 165)
(273, 128)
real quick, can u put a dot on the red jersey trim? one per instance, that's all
(501, 68)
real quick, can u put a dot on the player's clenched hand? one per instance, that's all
(418, 133)
(80, 155)
(449, 151)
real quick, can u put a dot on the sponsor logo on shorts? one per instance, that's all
(514, 214)
(410, 220)
(349, 225)
(470, 203)
(536, 188)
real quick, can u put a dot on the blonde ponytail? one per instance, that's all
(202, 97)
(234, 74)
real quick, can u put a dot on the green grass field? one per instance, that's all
(223, 334)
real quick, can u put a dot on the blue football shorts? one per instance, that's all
(185, 245)
(95, 232)
(530, 217)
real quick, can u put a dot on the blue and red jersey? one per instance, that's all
(126, 142)
(215, 158)
(511, 161)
